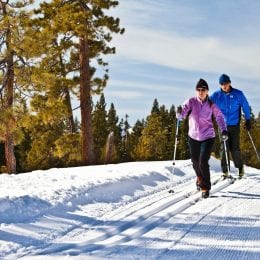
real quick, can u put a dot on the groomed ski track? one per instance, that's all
(165, 223)
(155, 225)
(146, 224)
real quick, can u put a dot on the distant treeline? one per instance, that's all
(116, 141)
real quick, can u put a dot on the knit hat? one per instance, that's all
(223, 79)
(202, 84)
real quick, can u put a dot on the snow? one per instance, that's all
(124, 211)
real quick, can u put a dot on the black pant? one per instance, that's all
(200, 154)
(233, 146)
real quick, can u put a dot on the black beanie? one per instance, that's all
(202, 84)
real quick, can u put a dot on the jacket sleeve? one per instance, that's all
(186, 108)
(245, 106)
(219, 117)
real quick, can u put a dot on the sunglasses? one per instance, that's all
(201, 89)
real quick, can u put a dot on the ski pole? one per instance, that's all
(253, 145)
(176, 141)
(226, 155)
(175, 148)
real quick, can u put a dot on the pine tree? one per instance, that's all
(152, 143)
(90, 28)
(114, 128)
(155, 107)
(14, 19)
(45, 126)
(124, 144)
(51, 75)
(183, 146)
(169, 124)
(42, 151)
(67, 150)
(100, 129)
(171, 130)
(134, 138)
(112, 119)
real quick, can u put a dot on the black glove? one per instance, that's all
(178, 113)
(179, 109)
(248, 125)
(224, 135)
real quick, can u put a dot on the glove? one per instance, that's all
(179, 109)
(178, 112)
(224, 135)
(248, 125)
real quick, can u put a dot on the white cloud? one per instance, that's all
(125, 94)
(142, 86)
(208, 54)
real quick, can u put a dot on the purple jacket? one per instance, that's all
(200, 118)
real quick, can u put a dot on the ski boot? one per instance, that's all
(205, 194)
(241, 173)
(225, 175)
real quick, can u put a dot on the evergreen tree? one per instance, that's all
(51, 76)
(169, 123)
(41, 154)
(171, 130)
(100, 129)
(113, 127)
(183, 146)
(124, 144)
(164, 115)
(152, 143)
(122, 141)
(14, 19)
(134, 137)
(90, 28)
(155, 107)
(67, 149)
(45, 125)
(112, 119)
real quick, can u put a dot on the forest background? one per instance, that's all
(54, 54)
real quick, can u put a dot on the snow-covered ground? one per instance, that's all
(125, 211)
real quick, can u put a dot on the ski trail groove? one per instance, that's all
(123, 212)
(141, 223)
(162, 254)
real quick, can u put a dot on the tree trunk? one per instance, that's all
(9, 152)
(109, 148)
(9, 139)
(9, 96)
(70, 118)
(87, 151)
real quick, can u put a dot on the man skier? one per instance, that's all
(230, 101)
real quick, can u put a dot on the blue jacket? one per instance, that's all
(230, 104)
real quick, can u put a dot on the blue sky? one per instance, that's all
(168, 45)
